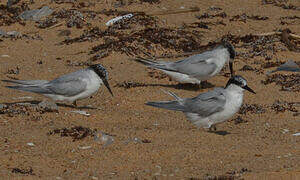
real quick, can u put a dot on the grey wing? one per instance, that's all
(206, 103)
(69, 87)
(196, 66)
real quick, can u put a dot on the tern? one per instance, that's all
(70, 87)
(197, 68)
(212, 107)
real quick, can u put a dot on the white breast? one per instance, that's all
(234, 100)
(222, 56)
(93, 82)
(182, 78)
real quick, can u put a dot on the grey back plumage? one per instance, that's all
(67, 85)
(195, 66)
(205, 104)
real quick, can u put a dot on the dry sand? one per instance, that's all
(263, 147)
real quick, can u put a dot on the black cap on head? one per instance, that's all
(103, 74)
(230, 49)
(239, 81)
(232, 54)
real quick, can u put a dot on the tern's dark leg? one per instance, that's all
(203, 84)
(213, 128)
(75, 104)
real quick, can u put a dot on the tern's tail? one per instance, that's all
(170, 105)
(176, 105)
(26, 82)
(157, 65)
(31, 88)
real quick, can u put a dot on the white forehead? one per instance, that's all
(241, 80)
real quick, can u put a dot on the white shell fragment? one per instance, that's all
(81, 112)
(30, 144)
(103, 138)
(84, 147)
(119, 18)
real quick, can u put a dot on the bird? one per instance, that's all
(69, 87)
(212, 107)
(196, 68)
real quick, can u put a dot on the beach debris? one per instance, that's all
(103, 138)
(285, 131)
(10, 34)
(81, 112)
(30, 144)
(252, 108)
(84, 147)
(4, 56)
(36, 14)
(47, 106)
(76, 132)
(22, 171)
(282, 106)
(239, 120)
(117, 19)
(287, 82)
(290, 65)
(137, 140)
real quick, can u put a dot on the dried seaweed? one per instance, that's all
(14, 109)
(157, 74)
(239, 120)
(287, 82)
(210, 16)
(164, 38)
(279, 106)
(23, 171)
(243, 17)
(281, 3)
(205, 25)
(9, 15)
(77, 132)
(129, 84)
(271, 64)
(290, 17)
(64, 1)
(264, 46)
(217, 177)
(247, 68)
(151, 1)
(252, 108)
(48, 22)
(114, 12)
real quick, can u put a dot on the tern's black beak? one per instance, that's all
(248, 89)
(107, 85)
(231, 67)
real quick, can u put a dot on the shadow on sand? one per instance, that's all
(189, 87)
(58, 104)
